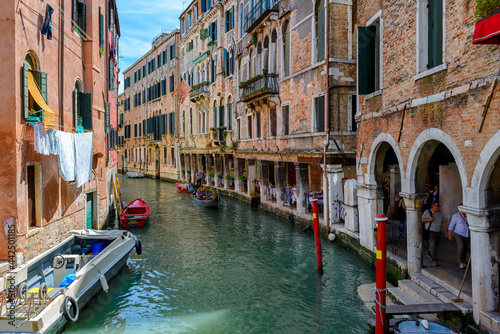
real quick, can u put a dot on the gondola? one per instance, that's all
(135, 214)
(211, 202)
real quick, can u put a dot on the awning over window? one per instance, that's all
(48, 114)
(487, 30)
(203, 56)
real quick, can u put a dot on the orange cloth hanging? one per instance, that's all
(49, 117)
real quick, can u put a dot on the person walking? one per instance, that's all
(434, 219)
(460, 227)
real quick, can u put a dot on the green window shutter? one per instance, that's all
(82, 16)
(101, 29)
(107, 127)
(226, 19)
(85, 107)
(366, 59)
(435, 33)
(26, 99)
(230, 116)
(203, 34)
(321, 31)
(76, 105)
(74, 12)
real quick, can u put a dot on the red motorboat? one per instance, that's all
(135, 214)
(182, 187)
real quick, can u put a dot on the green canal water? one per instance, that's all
(232, 270)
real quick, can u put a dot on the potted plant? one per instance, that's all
(221, 179)
(188, 171)
(230, 179)
(211, 177)
(264, 70)
(487, 14)
(183, 171)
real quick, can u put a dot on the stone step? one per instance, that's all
(450, 283)
(399, 297)
(417, 293)
(440, 292)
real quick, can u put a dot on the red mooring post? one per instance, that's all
(319, 256)
(381, 273)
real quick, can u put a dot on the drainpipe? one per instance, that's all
(61, 73)
(327, 62)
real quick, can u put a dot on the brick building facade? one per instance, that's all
(71, 74)
(423, 87)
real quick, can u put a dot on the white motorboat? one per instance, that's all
(48, 292)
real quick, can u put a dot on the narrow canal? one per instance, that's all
(231, 270)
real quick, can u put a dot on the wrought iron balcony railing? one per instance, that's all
(259, 12)
(199, 92)
(259, 86)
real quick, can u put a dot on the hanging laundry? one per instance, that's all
(47, 24)
(53, 141)
(66, 154)
(41, 139)
(83, 157)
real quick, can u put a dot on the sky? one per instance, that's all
(140, 22)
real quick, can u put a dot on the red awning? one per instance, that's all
(487, 30)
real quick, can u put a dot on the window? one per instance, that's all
(430, 34)
(230, 115)
(212, 70)
(319, 29)
(83, 107)
(272, 122)
(144, 71)
(286, 120)
(241, 21)
(249, 124)
(319, 114)
(191, 122)
(190, 20)
(183, 123)
(222, 116)
(250, 64)
(172, 156)
(101, 32)
(214, 115)
(212, 31)
(258, 125)
(79, 16)
(135, 130)
(351, 109)
(229, 19)
(286, 49)
(238, 128)
(370, 57)
(34, 194)
(182, 27)
(30, 106)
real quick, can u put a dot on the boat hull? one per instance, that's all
(136, 214)
(211, 203)
(182, 187)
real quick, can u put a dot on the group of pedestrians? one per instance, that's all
(434, 223)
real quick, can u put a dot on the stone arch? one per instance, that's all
(482, 173)
(422, 148)
(382, 143)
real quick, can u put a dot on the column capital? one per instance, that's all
(413, 202)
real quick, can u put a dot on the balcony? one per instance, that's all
(199, 92)
(259, 12)
(259, 88)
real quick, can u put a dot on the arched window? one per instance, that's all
(273, 52)
(183, 122)
(214, 115)
(319, 29)
(230, 113)
(250, 64)
(191, 121)
(222, 116)
(258, 61)
(286, 49)
(265, 54)
(30, 106)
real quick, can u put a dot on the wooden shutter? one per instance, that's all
(101, 29)
(366, 59)
(77, 105)
(226, 20)
(26, 96)
(107, 126)
(232, 17)
(320, 114)
(41, 81)
(203, 34)
(74, 13)
(435, 33)
(230, 116)
(225, 63)
(85, 107)
(203, 6)
(320, 31)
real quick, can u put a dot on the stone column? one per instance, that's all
(208, 159)
(251, 178)
(238, 171)
(334, 175)
(413, 203)
(302, 177)
(199, 162)
(280, 172)
(226, 158)
(193, 167)
(186, 167)
(367, 208)
(217, 170)
(264, 182)
(484, 262)
(351, 205)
